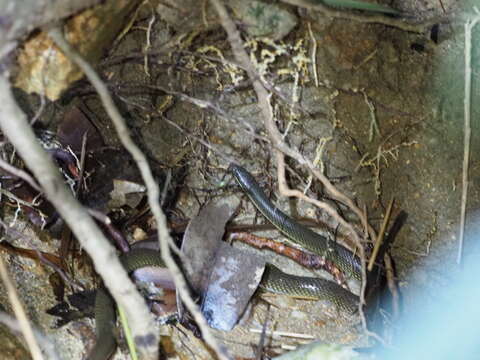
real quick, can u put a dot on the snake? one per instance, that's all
(348, 263)
(274, 280)
(104, 310)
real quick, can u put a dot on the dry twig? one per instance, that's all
(392, 287)
(398, 23)
(306, 259)
(240, 123)
(469, 25)
(20, 174)
(209, 146)
(153, 195)
(381, 233)
(264, 105)
(283, 149)
(20, 314)
(44, 342)
(15, 126)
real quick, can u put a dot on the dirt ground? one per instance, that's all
(384, 121)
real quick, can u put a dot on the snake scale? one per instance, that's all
(274, 280)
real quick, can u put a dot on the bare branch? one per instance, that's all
(283, 149)
(19, 311)
(379, 240)
(209, 146)
(15, 126)
(19, 173)
(467, 100)
(152, 187)
(44, 342)
(264, 105)
(399, 23)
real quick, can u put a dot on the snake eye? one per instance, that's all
(237, 171)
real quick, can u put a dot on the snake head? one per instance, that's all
(243, 177)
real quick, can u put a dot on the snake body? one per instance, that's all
(105, 306)
(339, 255)
(274, 280)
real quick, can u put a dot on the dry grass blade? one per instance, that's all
(469, 25)
(19, 311)
(380, 236)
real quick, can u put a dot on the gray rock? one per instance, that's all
(261, 19)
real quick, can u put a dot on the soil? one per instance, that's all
(388, 109)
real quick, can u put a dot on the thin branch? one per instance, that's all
(264, 105)
(379, 240)
(284, 334)
(467, 100)
(14, 124)
(34, 202)
(390, 276)
(306, 259)
(119, 239)
(153, 193)
(313, 54)
(20, 174)
(43, 102)
(363, 288)
(148, 44)
(20, 314)
(44, 342)
(398, 23)
(209, 146)
(166, 185)
(81, 167)
(285, 191)
(239, 123)
(261, 342)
